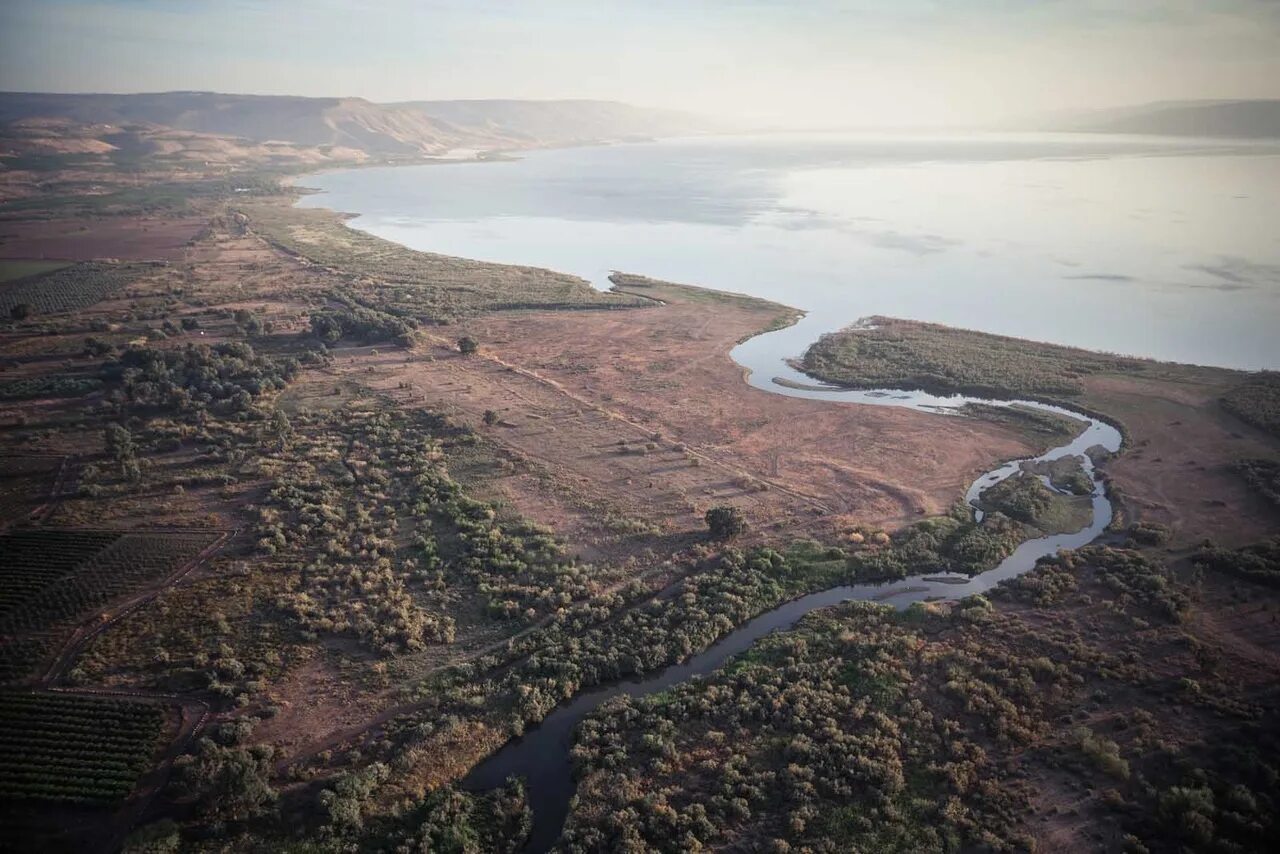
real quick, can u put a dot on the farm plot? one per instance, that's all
(73, 748)
(68, 289)
(25, 483)
(18, 269)
(55, 385)
(19, 657)
(50, 576)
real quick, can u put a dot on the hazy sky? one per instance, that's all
(865, 62)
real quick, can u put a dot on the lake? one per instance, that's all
(1148, 246)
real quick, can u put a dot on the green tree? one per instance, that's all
(346, 801)
(467, 345)
(119, 443)
(281, 429)
(160, 837)
(233, 783)
(725, 522)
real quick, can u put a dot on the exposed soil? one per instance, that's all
(1178, 471)
(585, 393)
(122, 238)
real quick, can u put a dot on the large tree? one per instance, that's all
(725, 522)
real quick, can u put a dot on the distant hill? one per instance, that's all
(557, 122)
(1237, 119)
(412, 128)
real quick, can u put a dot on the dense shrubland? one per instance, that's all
(445, 820)
(945, 728)
(953, 542)
(1149, 533)
(1257, 401)
(1259, 562)
(1263, 476)
(366, 325)
(389, 541)
(1131, 580)
(1023, 497)
(821, 737)
(909, 354)
(227, 377)
(227, 781)
(602, 640)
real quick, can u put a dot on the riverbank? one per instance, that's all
(1182, 442)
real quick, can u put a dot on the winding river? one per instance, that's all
(541, 755)
(1011, 234)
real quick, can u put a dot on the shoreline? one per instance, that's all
(349, 216)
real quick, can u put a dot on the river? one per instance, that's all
(541, 756)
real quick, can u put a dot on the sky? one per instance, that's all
(801, 63)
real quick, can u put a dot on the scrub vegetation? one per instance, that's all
(947, 727)
(1263, 476)
(1257, 401)
(908, 354)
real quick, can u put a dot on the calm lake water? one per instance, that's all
(1140, 245)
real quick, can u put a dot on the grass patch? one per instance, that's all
(11, 270)
(1256, 401)
(1042, 429)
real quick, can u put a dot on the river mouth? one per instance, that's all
(541, 756)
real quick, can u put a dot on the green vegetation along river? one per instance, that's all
(542, 755)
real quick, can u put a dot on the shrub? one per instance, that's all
(725, 522)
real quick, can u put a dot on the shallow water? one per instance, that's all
(1141, 245)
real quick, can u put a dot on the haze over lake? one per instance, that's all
(1168, 248)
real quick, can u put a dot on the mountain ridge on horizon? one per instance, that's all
(1243, 118)
(354, 126)
(406, 128)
